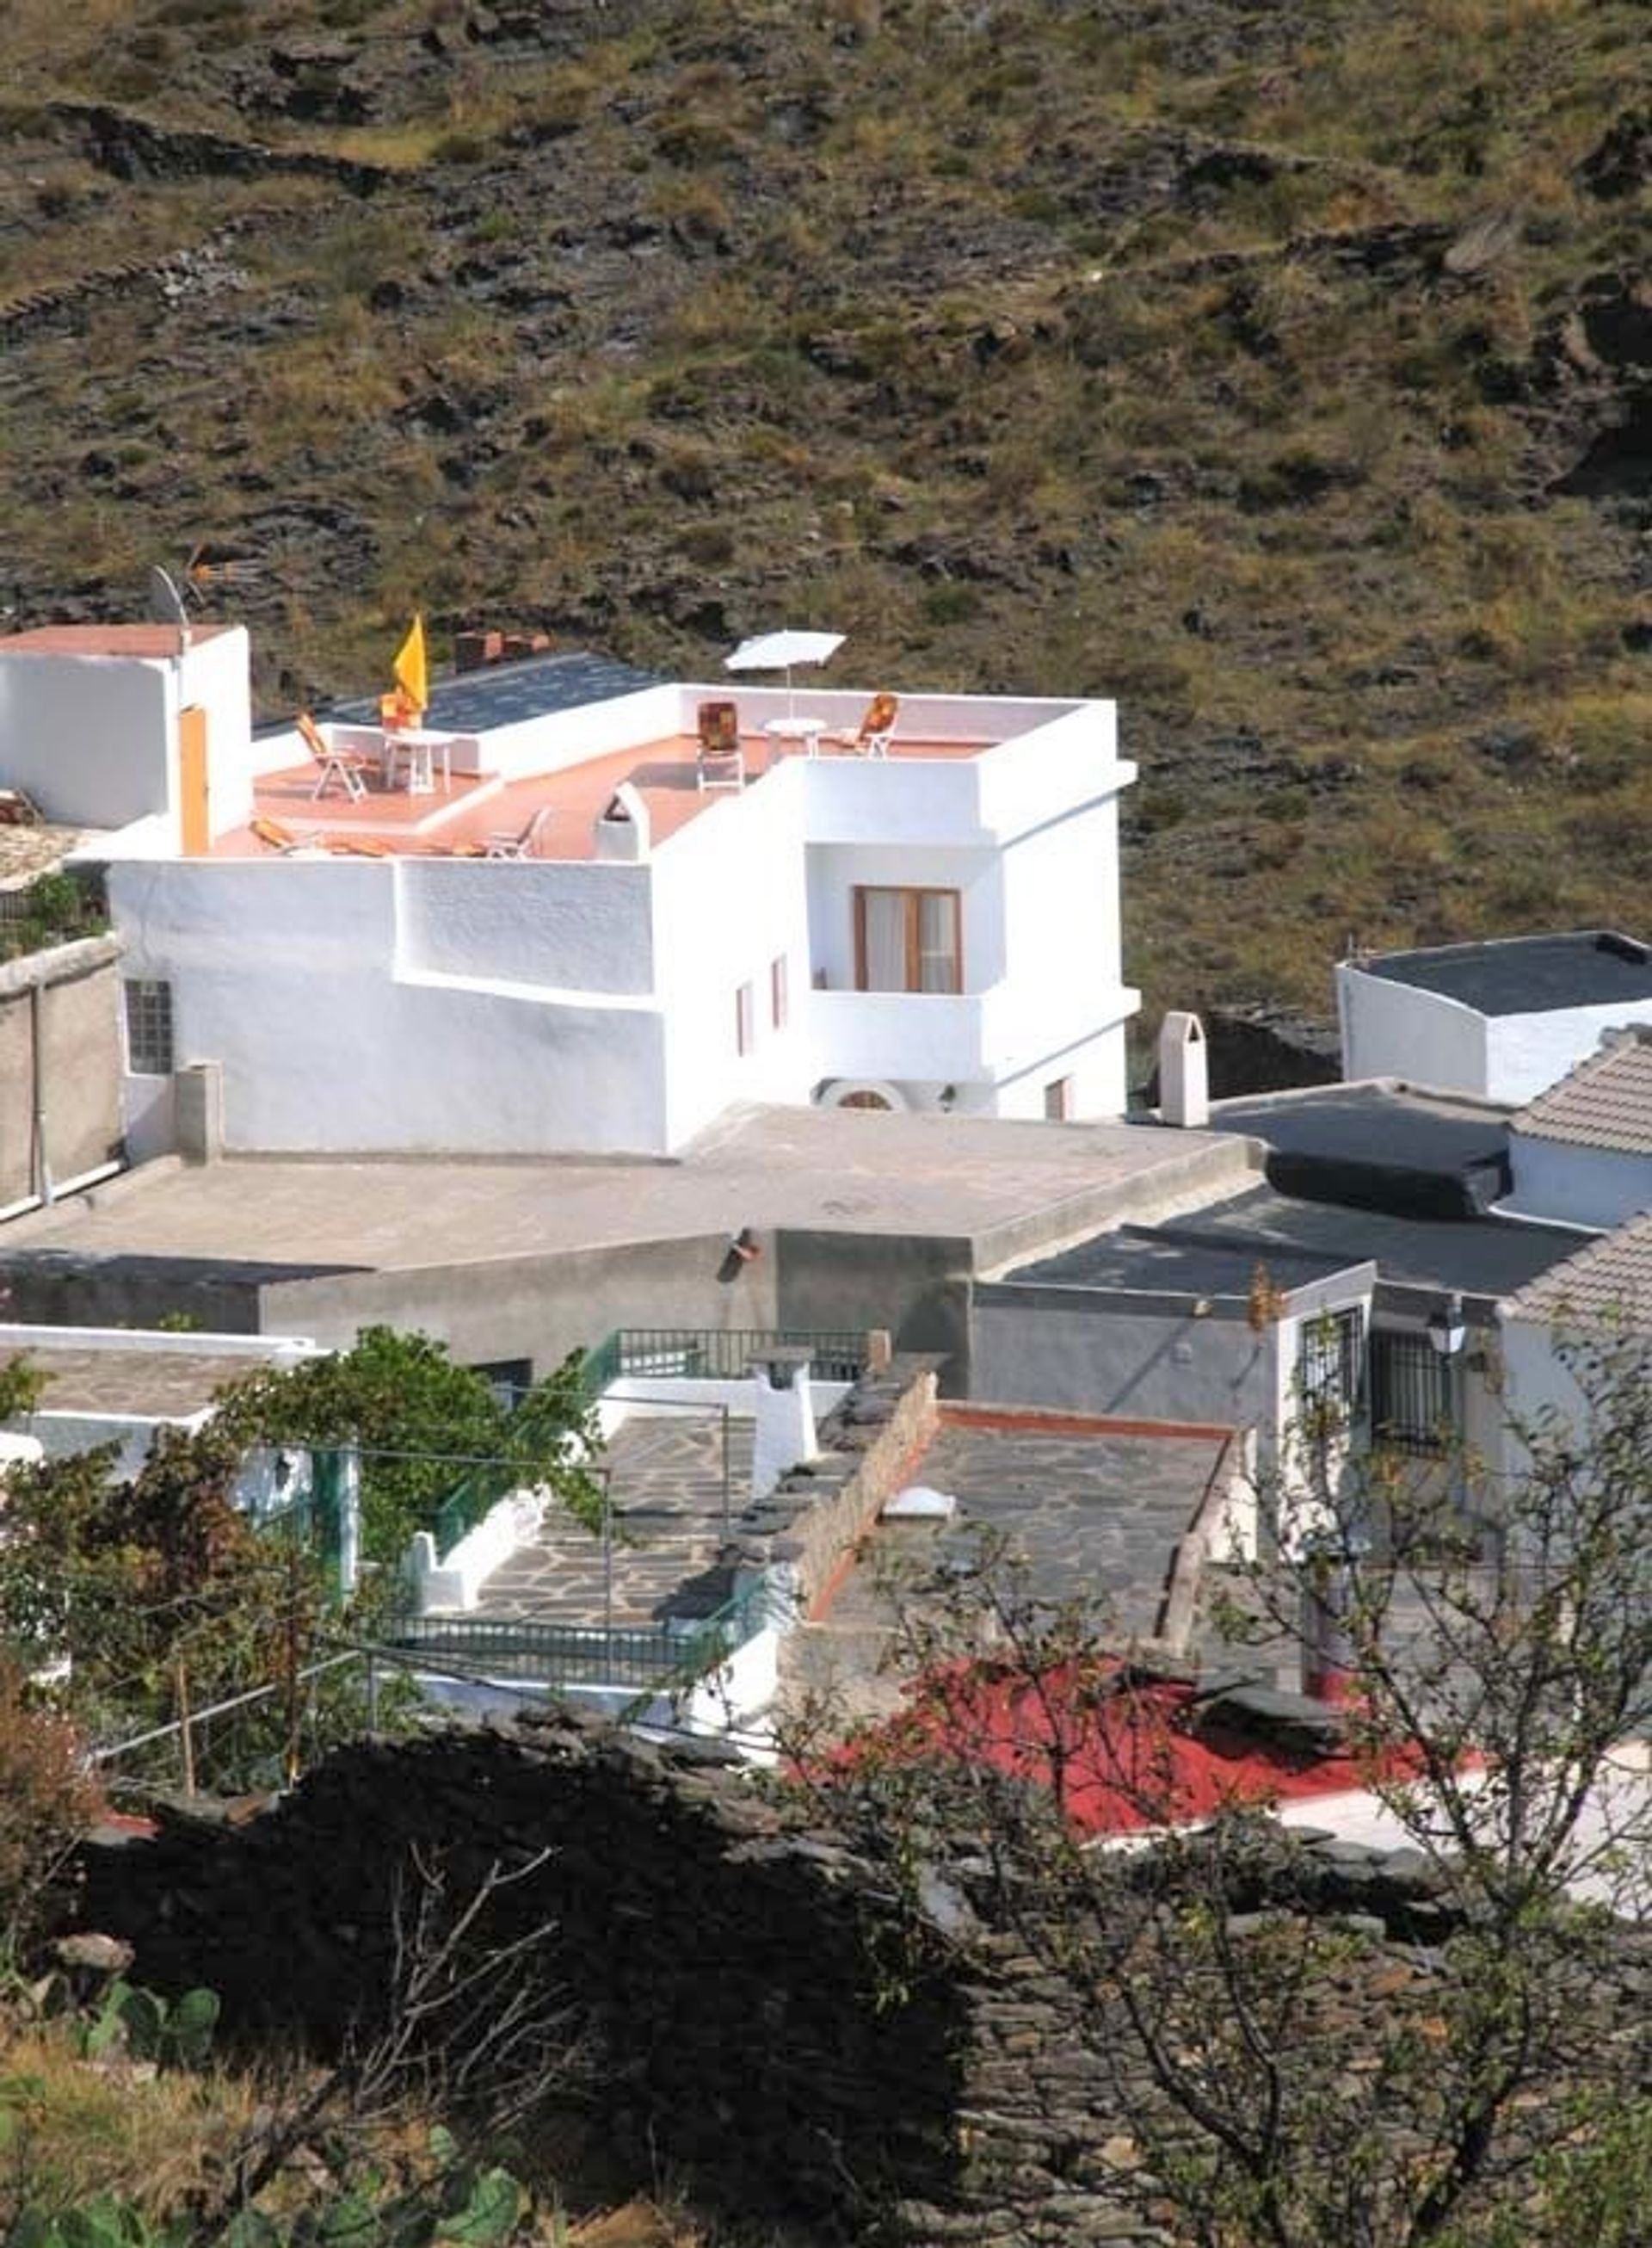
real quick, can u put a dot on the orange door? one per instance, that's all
(194, 805)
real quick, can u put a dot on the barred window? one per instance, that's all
(148, 1028)
(1330, 1366)
(1410, 1393)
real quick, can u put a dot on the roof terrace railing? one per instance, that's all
(674, 1651)
(719, 1354)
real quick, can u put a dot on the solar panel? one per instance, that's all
(509, 694)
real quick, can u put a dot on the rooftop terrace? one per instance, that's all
(465, 807)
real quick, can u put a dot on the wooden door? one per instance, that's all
(195, 811)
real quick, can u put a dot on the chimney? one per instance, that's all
(1183, 1076)
(622, 825)
(785, 1408)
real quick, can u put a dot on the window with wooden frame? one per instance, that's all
(745, 1019)
(908, 941)
(777, 992)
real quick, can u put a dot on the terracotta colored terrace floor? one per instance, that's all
(457, 819)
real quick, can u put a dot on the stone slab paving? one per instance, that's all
(1094, 1516)
(666, 1487)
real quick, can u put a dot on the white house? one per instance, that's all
(346, 971)
(1581, 1152)
(1501, 1020)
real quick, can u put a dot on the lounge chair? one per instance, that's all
(876, 731)
(273, 835)
(722, 761)
(347, 767)
(523, 843)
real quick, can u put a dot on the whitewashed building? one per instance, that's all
(935, 929)
(1501, 1020)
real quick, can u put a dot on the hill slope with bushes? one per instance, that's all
(1282, 369)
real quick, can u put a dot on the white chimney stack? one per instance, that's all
(1184, 1074)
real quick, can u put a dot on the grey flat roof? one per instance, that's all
(1527, 975)
(507, 694)
(841, 1171)
(1415, 1131)
(1173, 1261)
(1379, 1146)
(1300, 1241)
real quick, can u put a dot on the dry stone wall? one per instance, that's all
(761, 2012)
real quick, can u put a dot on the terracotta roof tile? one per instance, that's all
(150, 641)
(1605, 1101)
(1611, 1279)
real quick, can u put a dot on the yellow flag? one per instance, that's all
(412, 672)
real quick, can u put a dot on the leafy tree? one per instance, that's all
(423, 1425)
(46, 1801)
(1295, 2080)
(22, 1386)
(150, 1597)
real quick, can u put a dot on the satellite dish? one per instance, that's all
(166, 604)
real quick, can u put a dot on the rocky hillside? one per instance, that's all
(1283, 367)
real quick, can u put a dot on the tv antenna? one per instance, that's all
(166, 605)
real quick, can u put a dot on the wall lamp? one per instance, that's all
(1447, 1328)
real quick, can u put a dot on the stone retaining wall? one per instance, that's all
(762, 2016)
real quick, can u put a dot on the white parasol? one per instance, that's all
(779, 651)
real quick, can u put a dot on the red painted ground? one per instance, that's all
(1130, 1758)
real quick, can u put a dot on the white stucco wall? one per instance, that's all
(729, 899)
(1576, 1186)
(1395, 1029)
(288, 973)
(1398, 1030)
(1525, 1054)
(93, 739)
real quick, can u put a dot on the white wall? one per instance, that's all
(1576, 1186)
(93, 738)
(729, 898)
(286, 972)
(89, 739)
(1398, 1030)
(1395, 1029)
(570, 926)
(1525, 1054)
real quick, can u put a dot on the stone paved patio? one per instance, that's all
(1093, 1515)
(666, 1486)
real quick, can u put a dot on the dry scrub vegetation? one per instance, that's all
(1281, 370)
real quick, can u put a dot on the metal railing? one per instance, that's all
(724, 1354)
(676, 1651)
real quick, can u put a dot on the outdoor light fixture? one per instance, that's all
(1447, 1328)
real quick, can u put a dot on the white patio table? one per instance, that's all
(800, 729)
(422, 749)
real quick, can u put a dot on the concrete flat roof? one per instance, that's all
(1008, 1188)
(1527, 974)
(1379, 1145)
(1481, 1256)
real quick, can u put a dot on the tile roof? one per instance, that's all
(1604, 1101)
(1609, 1281)
(150, 641)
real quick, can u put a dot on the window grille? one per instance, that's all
(1410, 1393)
(149, 1050)
(1330, 1365)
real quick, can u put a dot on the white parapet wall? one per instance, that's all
(452, 1585)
